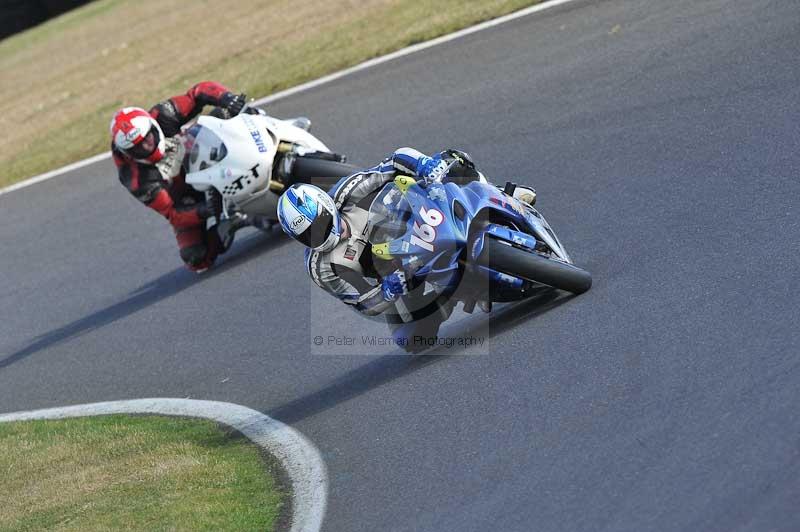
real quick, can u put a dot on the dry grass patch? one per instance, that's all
(132, 472)
(63, 79)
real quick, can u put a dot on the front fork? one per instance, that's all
(514, 238)
(282, 173)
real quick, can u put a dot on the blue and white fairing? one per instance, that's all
(426, 231)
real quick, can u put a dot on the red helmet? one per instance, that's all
(138, 135)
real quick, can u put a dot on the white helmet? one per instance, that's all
(308, 214)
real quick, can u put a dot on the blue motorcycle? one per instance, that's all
(471, 243)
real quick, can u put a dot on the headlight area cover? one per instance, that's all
(203, 148)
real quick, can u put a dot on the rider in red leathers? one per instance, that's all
(149, 158)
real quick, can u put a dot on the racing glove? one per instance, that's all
(435, 169)
(394, 285)
(432, 169)
(461, 156)
(203, 212)
(233, 102)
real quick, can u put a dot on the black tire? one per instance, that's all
(526, 265)
(321, 172)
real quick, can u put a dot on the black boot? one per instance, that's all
(226, 229)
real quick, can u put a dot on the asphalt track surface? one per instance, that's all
(663, 139)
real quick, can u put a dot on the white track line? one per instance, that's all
(54, 173)
(326, 79)
(300, 458)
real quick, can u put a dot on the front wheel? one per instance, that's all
(503, 257)
(323, 173)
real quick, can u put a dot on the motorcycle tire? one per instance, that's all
(321, 172)
(503, 257)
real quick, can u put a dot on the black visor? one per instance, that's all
(146, 146)
(319, 230)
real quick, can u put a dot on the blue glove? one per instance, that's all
(394, 285)
(432, 169)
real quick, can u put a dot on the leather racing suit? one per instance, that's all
(162, 186)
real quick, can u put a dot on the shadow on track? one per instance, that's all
(391, 366)
(157, 290)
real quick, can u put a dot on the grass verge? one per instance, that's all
(132, 472)
(63, 79)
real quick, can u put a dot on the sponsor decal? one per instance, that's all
(350, 185)
(132, 134)
(350, 253)
(255, 133)
(439, 171)
(242, 181)
(297, 222)
(259, 141)
(436, 193)
(517, 239)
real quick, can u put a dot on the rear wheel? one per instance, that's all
(503, 257)
(320, 172)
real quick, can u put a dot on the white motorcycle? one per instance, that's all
(245, 162)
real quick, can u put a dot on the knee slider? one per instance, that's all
(194, 256)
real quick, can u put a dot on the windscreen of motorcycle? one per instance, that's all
(203, 149)
(389, 214)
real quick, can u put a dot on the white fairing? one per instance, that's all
(236, 156)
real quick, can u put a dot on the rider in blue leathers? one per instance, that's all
(340, 260)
